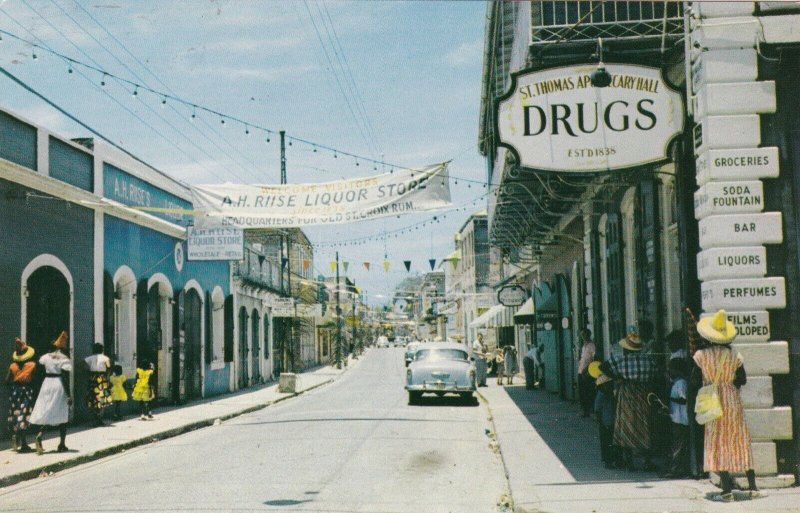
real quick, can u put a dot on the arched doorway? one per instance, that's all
(255, 361)
(242, 368)
(156, 345)
(47, 311)
(193, 322)
(265, 336)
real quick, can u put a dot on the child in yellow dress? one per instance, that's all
(118, 393)
(143, 390)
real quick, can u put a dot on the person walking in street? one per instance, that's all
(479, 355)
(586, 383)
(634, 372)
(118, 393)
(52, 404)
(20, 379)
(98, 395)
(679, 432)
(727, 445)
(510, 363)
(143, 390)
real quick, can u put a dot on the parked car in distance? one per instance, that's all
(440, 368)
(382, 341)
(411, 348)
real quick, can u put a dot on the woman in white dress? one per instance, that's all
(52, 404)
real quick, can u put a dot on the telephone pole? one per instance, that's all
(338, 354)
(288, 350)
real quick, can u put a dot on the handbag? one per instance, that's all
(707, 406)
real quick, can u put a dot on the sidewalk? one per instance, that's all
(88, 444)
(552, 460)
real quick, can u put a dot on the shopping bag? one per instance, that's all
(707, 406)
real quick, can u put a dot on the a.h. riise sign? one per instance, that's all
(555, 120)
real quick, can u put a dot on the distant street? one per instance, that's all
(352, 446)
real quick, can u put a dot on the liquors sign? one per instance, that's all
(556, 120)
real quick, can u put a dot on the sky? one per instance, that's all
(395, 82)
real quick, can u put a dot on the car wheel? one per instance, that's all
(414, 397)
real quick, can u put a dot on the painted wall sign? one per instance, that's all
(512, 295)
(135, 192)
(223, 243)
(556, 120)
(737, 164)
(744, 294)
(713, 99)
(178, 256)
(741, 230)
(750, 326)
(283, 307)
(728, 198)
(744, 262)
(402, 191)
(722, 132)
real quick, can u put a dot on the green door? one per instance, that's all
(546, 308)
(615, 278)
(648, 271)
(566, 354)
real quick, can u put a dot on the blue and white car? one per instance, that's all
(440, 368)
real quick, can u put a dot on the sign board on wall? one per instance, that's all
(512, 295)
(283, 307)
(750, 326)
(222, 243)
(744, 294)
(555, 120)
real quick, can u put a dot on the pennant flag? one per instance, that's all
(386, 265)
(345, 265)
(306, 263)
(407, 263)
(284, 262)
(333, 266)
(454, 263)
(366, 266)
(432, 261)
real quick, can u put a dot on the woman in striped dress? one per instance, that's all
(727, 440)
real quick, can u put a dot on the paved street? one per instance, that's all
(354, 445)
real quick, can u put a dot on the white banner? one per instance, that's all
(222, 243)
(297, 205)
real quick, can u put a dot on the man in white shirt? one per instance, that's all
(479, 355)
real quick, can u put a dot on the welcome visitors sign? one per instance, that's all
(555, 120)
(297, 205)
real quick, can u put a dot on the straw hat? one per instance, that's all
(716, 328)
(594, 369)
(61, 341)
(23, 352)
(631, 342)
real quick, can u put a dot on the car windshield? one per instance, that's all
(441, 354)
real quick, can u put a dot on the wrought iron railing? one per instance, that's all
(581, 21)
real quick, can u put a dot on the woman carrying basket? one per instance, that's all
(727, 440)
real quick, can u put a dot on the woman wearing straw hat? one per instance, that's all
(52, 405)
(634, 371)
(727, 440)
(20, 379)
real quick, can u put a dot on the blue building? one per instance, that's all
(78, 255)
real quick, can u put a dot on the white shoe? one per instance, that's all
(142, 418)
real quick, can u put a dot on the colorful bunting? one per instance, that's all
(306, 264)
(345, 265)
(333, 266)
(432, 261)
(454, 263)
(386, 265)
(366, 266)
(407, 263)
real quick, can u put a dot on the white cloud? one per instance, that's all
(465, 54)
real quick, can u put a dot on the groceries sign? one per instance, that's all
(555, 120)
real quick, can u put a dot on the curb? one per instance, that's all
(164, 435)
(499, 448)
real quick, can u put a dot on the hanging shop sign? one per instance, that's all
(741, 230)
(737, 164)
(283, 307)
(743, 294)
(744, 262)
(555, 120)
(728, 198)
(402, 191)
(512, 295)
(222, 243)
(750, 326)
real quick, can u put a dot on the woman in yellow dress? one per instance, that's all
(143, 390)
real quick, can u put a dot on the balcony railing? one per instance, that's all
(583, 21)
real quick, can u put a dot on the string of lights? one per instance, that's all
(139, 90)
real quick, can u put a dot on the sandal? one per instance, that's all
(725, 497)
(39, 448)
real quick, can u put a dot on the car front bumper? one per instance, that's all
(439, 386)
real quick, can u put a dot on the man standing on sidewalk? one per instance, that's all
(586, 386)
(479, 355)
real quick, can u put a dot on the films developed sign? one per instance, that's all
(556, 120)
(402, 191)
(222, 243)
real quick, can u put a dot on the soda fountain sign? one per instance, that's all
(556, 120)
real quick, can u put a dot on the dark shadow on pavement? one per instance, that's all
(574, 439)
(446, 400)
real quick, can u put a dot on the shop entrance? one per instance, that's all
(256, 339)
(193, 321)
(242, 368)
(47, 308)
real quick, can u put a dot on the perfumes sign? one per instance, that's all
(556, 120)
